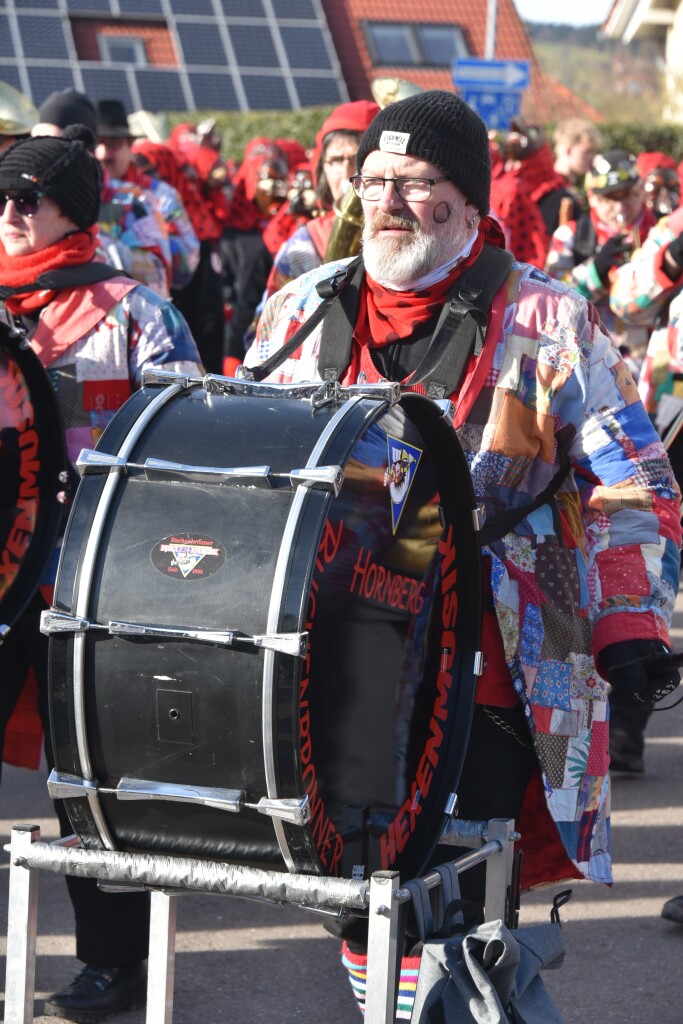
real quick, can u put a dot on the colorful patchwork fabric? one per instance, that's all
(640, 292)
(99, 370)
(563, 264)
(182, 239)
(602, 567)
(134, 237)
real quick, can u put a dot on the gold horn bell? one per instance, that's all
(348, 224)
(17, 114)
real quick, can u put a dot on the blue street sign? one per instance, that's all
(495, 107)
(497, 74)
(492, 87)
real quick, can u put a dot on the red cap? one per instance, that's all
(348, 117)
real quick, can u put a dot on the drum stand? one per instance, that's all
(167, 877)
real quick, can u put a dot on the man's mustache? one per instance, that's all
(399, 221)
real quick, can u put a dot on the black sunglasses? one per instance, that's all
(26, 203)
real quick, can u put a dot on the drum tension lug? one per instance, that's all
(478, 517)
(326, 393)
(451, 808)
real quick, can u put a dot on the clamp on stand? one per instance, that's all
(166, 877)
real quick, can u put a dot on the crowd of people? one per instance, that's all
(561, 406)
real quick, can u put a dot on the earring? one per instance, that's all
(472, 221)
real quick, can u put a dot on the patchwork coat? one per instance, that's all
(550, 386)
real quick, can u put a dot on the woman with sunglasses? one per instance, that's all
(95, 330)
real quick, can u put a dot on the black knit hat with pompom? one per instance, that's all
(440, 127)
(63, 167)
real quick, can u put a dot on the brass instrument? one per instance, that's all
(143, 124)
(348, 213)
(17, 114)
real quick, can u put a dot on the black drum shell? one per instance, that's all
(221, 736)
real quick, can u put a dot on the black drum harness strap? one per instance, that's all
(459, 333)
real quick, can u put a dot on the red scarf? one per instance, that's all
(386, 315)
(73, 249)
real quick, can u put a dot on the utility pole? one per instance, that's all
(490, 43)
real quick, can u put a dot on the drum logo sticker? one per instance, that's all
(188, 556)
(402, 462)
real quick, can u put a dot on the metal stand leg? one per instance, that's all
(22, 926)
(161, 963)
(499, 869)
(383, 950)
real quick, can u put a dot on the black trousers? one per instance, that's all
(246, 265)
(493, 782)
(112, 929)
(201, 303)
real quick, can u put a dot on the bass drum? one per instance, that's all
(265, 627)
(32, 475)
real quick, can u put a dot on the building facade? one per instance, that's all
(173, 55)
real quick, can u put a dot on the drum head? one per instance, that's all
(31, 458)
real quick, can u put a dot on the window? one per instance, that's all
(122, 49)
(409, 44)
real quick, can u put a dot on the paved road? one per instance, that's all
(241, 960)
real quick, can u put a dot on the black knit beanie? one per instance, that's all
(68, 107)
(62, 167)
(439, 127)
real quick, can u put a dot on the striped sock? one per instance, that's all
(357, 966)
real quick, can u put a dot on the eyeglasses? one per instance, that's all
(410, 190)
(339, 161)
(25, 203)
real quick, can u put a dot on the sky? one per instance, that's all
(564, 12)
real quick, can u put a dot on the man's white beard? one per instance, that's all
(399, 259)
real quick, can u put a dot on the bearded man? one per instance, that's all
(580, 581)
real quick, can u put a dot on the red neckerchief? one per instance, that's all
(78, 247)
(645, 221)
(386, 316)
(137, 177)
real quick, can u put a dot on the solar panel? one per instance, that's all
(107, 84)
(42, 36)
(294, 9)
(140, 7)
(90, 5)
(192, 7)
(160, 90)
(305, 48)
(243, 8)
(10, 73)
(51, 5)
(201, 44)
(253, 46)
(315, 92)
(46, 80)
(6, 48)
(266, 92)
(212, 91)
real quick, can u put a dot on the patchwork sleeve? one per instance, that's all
(630, 502)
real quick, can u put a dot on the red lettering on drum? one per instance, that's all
(329, 844)
(377, 583)
(17, 404)
(394, 841)
(16, 397)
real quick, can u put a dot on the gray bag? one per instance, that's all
(488, 975)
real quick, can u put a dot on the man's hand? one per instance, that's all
(613, 253)
(643, 670)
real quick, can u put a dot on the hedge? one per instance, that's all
(237, 128)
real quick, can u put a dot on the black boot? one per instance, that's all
(97, 992)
